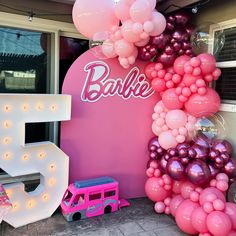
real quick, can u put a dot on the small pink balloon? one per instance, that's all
(123, 48)
(127, 32)
(148, 26)
(194, 196)
(108, 49)
(180, 138)
(206, 195)
(174, 203)
(230, 210)
(177, 185)
(222, 185)
(219, 223)
(208, 63)
(171, 100)
(208, 207)
(159, 207)
(179, 64)
(176, 119)
(218, 205)
(190, 79)
(158, 85)
(154, 191)
(199, 217)
(167, 140)
(186, 189)
(159, 23)
(222, 176)
(183, 216)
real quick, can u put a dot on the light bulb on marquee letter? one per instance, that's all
(18, 158)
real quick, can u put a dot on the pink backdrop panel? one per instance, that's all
(111, 122)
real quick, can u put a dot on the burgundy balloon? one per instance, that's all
(167, 156)
(213, 170)
(183, 145)
(201, 151)
(172, 152)
(180, 35)
(171, 18)
(160, 41)
(153, 155)
(230, 168)
(152, 148)
(185, 160)
(225, 156)
(198, 172)
(181, 17)
(213, 154)
(192, 153)
(160, 151)
(202, 140)
(186, 45)
(177, 46)
(175, 168)
(169, 50)
(163, 164)
(147, 52)
(183, 152)
(189, 28)
(167, 60)
(170, 26)
(219, 162)
(222, 146)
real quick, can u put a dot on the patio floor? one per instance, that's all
(137, 220)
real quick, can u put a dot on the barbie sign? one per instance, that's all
(110, 125)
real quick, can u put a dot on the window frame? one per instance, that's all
(226, 105)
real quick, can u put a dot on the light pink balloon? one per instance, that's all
(203, 105)
(219, 223)
(230, 210)
(159, 22)
(122, 10)
(232, 233)
(108, 49)
(140, 11)
(176, 119)
(183, 216)
(142, 42)
(167, 140)
(152, 3)
(127, 32)
(159, 207)
(186, 188)
(174, 204)
(206, 195)
(154, 191)
(124, 48)
(90, 16)
(199, 217)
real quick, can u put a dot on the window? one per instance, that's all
(226, 60)
(110, 193)
(94, 196)
(78, 200)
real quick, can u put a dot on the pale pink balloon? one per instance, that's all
(156, 129)
(108, 49)
(203, 105)
(183, 216)
(127, 32)
(176, 119)
(90, 16)
(174, 204)
(230, 210)
(142, 42)
(219, 223)
(159, 23)
(148, 26)
(167, 140)
(159, 207)
(154, 191)
(152, 3)
(199, 217)
(171, 100)
(186, 188)
(179, 64)
(124, 48)
(122, 10)
(206, 195)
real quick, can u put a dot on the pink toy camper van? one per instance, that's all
(90, 198)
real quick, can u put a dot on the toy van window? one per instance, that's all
(95, 196)
(110, 193)
(78, 200)
(68, 195)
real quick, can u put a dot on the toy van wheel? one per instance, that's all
(107, 209)
(76, 216)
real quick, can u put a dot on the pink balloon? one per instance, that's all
(127, 32)
(179, 64)
(232, 233)
(186, 189)
(176, 119)
(124, 48)
(142, 42)
(200, 106)
(167, 140)
(174, 204)
(219, 224)
(171, 100)
(190, 79)
(177, 185)
(183, 216)
(152, 3)
(199, 217)
(90, 16)
(140, 11)
(230, 210)
(159, 23)
(122, 10)
(159, 207)
(154, 191)
(108, 49)
(208, 63)
(207, 195)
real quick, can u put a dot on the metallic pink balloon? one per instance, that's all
(153, 142)
(202, 152)
(153, 155)
(213, 154)
(175, 168)
(219, 162)
(180, 35)
(222, 146)
(181, 17)
(213, 170)
(160, 41)
(147, 52)
(198, 172)
(192, 153)
(230, 168)
(163, 164)
(167, 60)
(172, 152)
(202, 140)
(225, 156)
(183, 152)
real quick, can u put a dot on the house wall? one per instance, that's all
(214, 12)
(56, 11)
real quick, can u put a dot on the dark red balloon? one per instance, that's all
(163, 164)
(175, 168)
(198, 172)
(183, 145)
(183, 152)
(180, 35)
(225, 156)
(153, 142)
(202, 152)
(169, 50)
(177, 46)
(167, 60)
(152, 148)
(213, 170)
(192, 153)
(219, 162)
(172, 152)
(222, 146)
(147, 52)
(213, 154)
(185, 160)
(230, 168)
(170, 26)
(160, 151)
(181, 17)
(202, 140)
(153, 155)
(160, 41)
(167, 156)
(189, 28)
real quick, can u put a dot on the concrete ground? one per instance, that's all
(137, 220)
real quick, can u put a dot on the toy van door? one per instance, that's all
(95, 204)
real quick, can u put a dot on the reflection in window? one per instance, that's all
(95, 196)
(110, 193)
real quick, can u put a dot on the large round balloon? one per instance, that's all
(91, 17)
(175, 168)
(199, 220)
(203, 105)
(171, 100)
(183, 216)
(167, 140)
(176, 119)
(174, 204)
